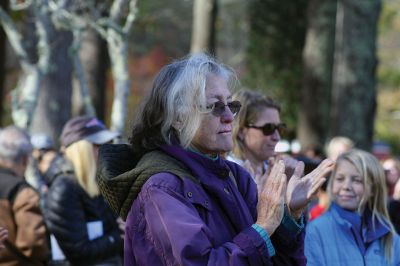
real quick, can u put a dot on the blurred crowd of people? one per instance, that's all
(59, 217)
(200, 183)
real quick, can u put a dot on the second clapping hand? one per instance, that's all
(301, 190)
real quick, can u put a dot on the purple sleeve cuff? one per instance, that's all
(251, 242)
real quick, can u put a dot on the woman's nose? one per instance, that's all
(276, 136)
(227, 116)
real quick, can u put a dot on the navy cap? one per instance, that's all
(87, 128)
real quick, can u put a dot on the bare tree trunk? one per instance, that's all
(4, 5)
(313, 125)
(54, 105)
(117, 40)
(95, 62)
(203, 30)
(354, 93)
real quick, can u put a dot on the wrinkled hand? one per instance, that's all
(3, 236)
(270, 206)
(301, 190)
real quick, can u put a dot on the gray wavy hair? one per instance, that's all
(15, 144)
(176, 102)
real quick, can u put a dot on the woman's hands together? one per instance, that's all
(270, 206)
(297, 193)
(301, 190)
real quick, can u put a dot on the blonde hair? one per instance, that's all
(376, 201)
(81, 155)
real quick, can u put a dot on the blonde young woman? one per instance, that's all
(76, 214)
(356, 229)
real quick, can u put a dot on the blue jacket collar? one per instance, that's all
(370, 231)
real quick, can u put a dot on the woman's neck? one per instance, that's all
(255, 163)
(209, 156)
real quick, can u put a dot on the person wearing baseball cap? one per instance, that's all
(86, 128)
(74, 203)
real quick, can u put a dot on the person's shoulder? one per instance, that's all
(63, 183)
(321, 222)
(163, 179)
(26, 195)
(232, 158)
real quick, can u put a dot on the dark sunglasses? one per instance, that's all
(218, 108)
(269, 128)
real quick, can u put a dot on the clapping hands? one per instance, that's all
(296, 193)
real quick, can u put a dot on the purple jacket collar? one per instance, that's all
(196, 162)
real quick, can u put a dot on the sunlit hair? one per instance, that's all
(176, 103)
(15, 145)
(374, 181)
(81, 155)
(253, 103)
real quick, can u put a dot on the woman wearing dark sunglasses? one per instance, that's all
(183, 203)
(256, 131)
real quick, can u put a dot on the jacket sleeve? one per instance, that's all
(31, 237)
(288, 241)
(312, 246)
(65, 217)
(187, 240)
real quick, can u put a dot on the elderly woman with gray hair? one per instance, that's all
(184, 204)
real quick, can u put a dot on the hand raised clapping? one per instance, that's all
(301, 190)
(275, 192)
(270, 206)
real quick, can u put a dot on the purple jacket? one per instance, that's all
(177, 221)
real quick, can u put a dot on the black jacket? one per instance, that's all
(68, 209)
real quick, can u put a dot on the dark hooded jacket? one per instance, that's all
(68, 210)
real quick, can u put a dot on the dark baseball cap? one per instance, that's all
(87, 128)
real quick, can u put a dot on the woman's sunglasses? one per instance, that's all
(218, 108)
(269, 128)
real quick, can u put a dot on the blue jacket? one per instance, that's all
(205, 221)
(330, 240)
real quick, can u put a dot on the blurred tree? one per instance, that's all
(353, 85)
(203, 30)
(60, 26)
(314, 120)
(95, 63)
(4, 5)
(39, 70)
(276, 40)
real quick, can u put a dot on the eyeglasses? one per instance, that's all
(218, 108)
(269, 128)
